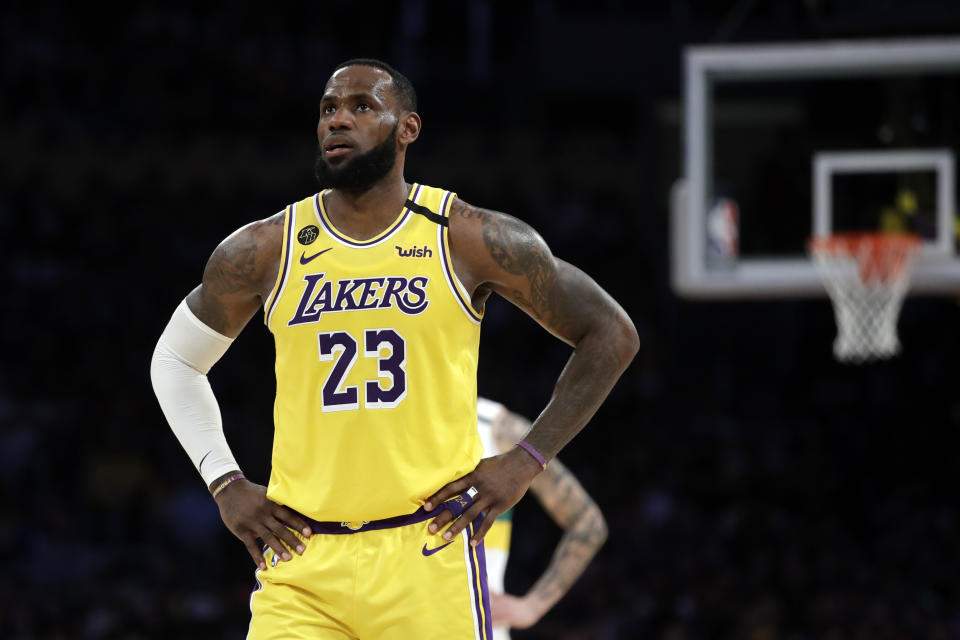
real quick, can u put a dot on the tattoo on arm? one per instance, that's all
(586, 316)
(584, 533)
(234, 277)
(577, 547)
(520, 251)
(232, 266)
(569, 505)
(562, 298)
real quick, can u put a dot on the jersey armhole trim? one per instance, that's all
(286, 251)
(443, 243)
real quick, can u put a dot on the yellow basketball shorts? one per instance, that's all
(385, 579)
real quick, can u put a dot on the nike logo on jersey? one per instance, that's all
(414, 252)
(430, 552)
(304, 259)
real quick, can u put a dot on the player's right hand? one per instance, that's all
(498, 481)
(249, 515)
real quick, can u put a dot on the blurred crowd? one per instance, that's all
(754, 488)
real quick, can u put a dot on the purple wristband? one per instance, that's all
(226, 482)
(526, 446)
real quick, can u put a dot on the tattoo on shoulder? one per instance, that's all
(236, 264)
(509, 243)
(233, 264)
(518, 250)
(464, 210)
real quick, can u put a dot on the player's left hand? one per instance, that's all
(500, 482)
(511, 611)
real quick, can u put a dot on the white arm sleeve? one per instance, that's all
(185, 353)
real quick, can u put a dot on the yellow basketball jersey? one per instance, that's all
(376, 346)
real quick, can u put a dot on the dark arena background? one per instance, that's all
(754, 487)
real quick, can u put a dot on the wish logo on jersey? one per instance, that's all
(320, 296)
(414, 252)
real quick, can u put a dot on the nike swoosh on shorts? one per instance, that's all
(430, 552)
(304, 259)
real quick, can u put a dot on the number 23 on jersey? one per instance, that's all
(386, 392)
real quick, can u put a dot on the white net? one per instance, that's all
(867, 277)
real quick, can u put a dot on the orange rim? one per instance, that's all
(880, 256)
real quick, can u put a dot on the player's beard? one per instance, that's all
(360, 172)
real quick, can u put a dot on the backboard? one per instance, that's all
(783, 142)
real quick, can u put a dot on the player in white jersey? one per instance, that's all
(564, 500)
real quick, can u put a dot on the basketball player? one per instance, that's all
(565, 500)
(374, 289)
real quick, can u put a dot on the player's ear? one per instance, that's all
(409, 128)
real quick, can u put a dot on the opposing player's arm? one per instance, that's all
(572, 508)
(496, 252)
(238, 277)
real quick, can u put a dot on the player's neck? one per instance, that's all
(364, 214)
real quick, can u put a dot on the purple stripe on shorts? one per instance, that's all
(484, 589)
(456, 506)
(478, 568)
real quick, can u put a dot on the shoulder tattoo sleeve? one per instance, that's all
(519, 251)
(236, 274)
(232, 266)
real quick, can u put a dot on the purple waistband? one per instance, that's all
(456, 506)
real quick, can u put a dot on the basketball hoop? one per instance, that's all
(866, 276)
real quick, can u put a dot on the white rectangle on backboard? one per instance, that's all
(826, 164)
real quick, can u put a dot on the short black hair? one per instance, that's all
(402, 87)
